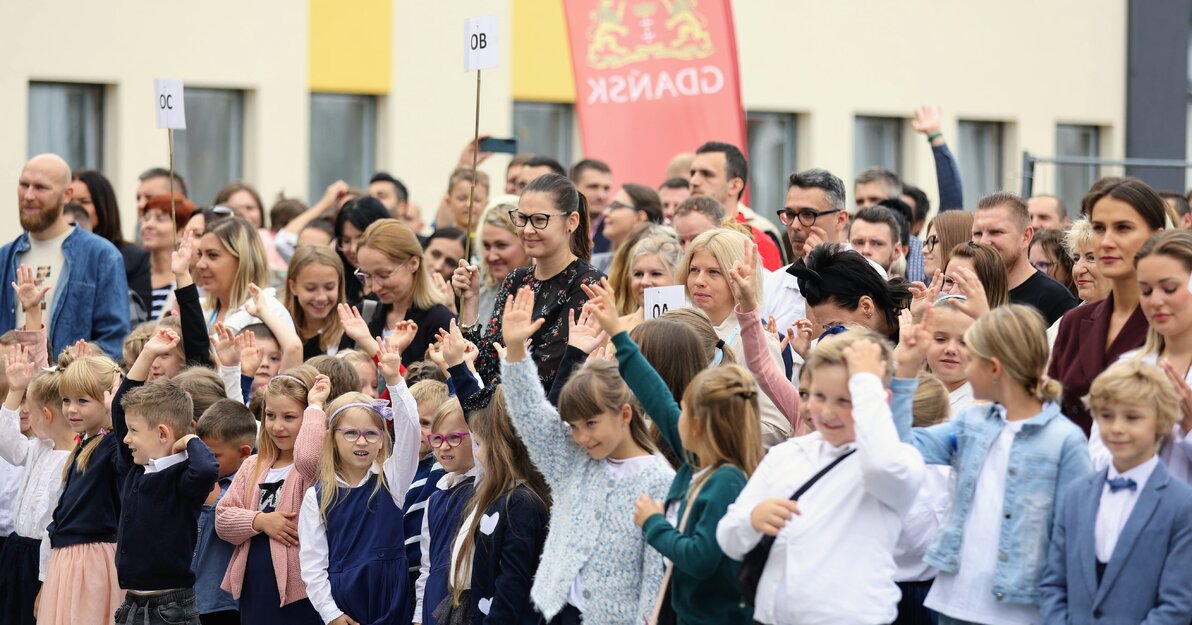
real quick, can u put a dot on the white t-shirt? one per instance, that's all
(47, 259)
(968, 594)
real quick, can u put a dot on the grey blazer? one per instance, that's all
(1148, 580)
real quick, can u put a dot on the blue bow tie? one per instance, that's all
(1122, 483)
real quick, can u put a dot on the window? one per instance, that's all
(771, 139)
(544, 128)
(877, 142)
(1072, 182)
(343, 146)
(210, 152)
(67, 119)
(980, 154)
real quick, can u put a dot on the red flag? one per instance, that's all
(653, 78)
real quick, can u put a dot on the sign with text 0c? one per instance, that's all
(660, 299)
(480, 43)
(171, 110)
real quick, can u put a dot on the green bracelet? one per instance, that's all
(934, 136)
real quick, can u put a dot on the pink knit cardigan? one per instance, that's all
(235, 513)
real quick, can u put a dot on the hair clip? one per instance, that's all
(290, 377)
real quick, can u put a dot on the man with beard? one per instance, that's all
(86, 293)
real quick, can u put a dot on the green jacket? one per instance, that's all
(704, 587)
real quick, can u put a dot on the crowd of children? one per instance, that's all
(293, 463)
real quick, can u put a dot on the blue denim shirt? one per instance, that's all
(90, 299)
(210, 563)
(1047, 455)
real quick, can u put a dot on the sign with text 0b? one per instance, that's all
(480, 43)
(660, 299)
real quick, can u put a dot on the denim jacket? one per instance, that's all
(1047, 455)
(210, 563)
(90, 299)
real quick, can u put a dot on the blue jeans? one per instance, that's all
(167, 608)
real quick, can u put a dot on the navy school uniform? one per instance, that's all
(259, 600)
(509, 541)
(426, 481)
(367, 561)
(443, 512)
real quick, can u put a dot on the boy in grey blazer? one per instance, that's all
(1121, 549)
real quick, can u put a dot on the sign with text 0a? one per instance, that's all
(480, 43)
(659, 299)
(171, 110)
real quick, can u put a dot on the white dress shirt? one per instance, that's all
(961, 399)
(833, 563)
(921, 523)
(968, 594)
(41, 486)
(1115, 508)
(314, 555)
(161, 464)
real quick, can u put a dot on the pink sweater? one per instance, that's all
(236, 511)
(770, 377)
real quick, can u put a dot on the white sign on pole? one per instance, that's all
(660, 299)
(171, 112)
(480, 43)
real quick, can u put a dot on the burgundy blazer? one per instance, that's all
(1080, 354)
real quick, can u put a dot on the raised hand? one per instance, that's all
(19, 370)
(180, 258)
(466, 281)
(251, 354)
(472, 150)
(518, 323)
(255, 305)
(356, 328)
(162, 342)
(403, 334)
(334, 192)
(741, 279)
(583, 330)
(975, 303)
(227, 344)
(913, 341)
(799, 336)
(927, 120)
(602, 304)
(864, 356)
(28, 293)
(82, 349)
(389, 358)
(453, 345)
(434, 353)
(446, 293)
(1182, 389)
(319, 392)
(924, 294)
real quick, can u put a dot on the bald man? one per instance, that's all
(88, 291)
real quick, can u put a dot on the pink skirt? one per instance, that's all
(81, 586)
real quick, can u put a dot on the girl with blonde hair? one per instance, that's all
(80, 580)
(990, 563)
(258, 514)
(314, 290)
(352, 544)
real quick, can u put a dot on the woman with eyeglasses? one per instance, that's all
(1046, 253)
(353, 219)
(390, 265)
(944, 233)
(977, 273)
(552, 222)
(632, 206)
(500, 251)
(231, 258)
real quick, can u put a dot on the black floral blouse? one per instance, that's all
(554, 299)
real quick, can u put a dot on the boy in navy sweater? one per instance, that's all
(170, 474)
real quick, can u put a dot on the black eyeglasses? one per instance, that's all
(930, 243)
(537, 220)
(806, 216)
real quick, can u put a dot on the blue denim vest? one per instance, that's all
(210, 562)
(1047, 455)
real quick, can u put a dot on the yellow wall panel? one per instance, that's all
(541, 55)
(350, 46)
